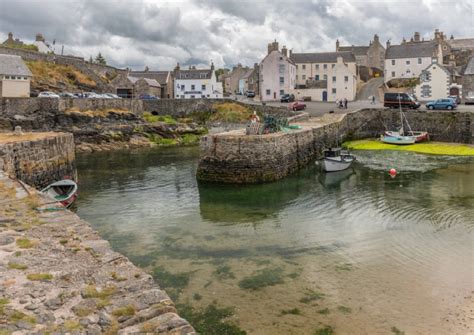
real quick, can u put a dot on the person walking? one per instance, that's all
(345, 103)
(373, 100)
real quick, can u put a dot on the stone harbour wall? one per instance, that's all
(38, 159)
(234, 157)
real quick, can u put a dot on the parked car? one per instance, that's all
(287, 98)
(47, 94)
(67, 95)
(296, 106)
(456, 99)
(92, 95)
(112, 95)
(148, 97)
(405, 100)
(79, 95)
(469, 100)
(441, 104)
(250, 94)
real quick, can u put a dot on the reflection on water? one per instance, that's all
(356, 250)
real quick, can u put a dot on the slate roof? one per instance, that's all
(462, 43)
(247, 74)
(469, 69)
(356, 50)
(159, 76)
(322, 57)
(411, 50)
(11, 65)
(150, 82)
(193, 74)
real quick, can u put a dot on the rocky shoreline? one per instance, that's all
(59, 276)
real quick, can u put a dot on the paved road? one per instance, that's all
(369, 89)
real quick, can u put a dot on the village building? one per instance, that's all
(41, 44)
(12, 42)
(326, 76)
(438, 81)
(130, 87)
(249, 81)
(196, 83)
(277, 73)
(371, 56)
(468, 79)
(164, 78)
(409, 59)
(15, 77)
(232, 79)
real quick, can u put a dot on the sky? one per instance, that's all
(160, 33)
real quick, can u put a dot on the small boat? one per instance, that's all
(336, 159)
(420, 136)
(400, 140)
(64, 191)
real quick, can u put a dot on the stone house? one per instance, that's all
(10, 41)
(437, 81)
(409, 59)
(15, 77)
(277, 73)
(41, 44)
(372, 56)
(468, 79)
(249, 81)
(196, 83)
(131, 87)
(164, 78)
(231, 80)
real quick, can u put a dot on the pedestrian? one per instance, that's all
(341, 103)
(345, 103)
(373, 100)
(337, 102)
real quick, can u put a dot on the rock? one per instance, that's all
(104, 320)
(24, 325)
(54, 303)
(94, 330)
(45, 317)
(84, 322)
(31, 307)
(23, 301)
(6, 239)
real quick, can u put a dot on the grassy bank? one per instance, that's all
(430, 148)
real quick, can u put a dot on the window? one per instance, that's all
(282, 92)
(208, 95)
(203, 96)
(182, 97)
(182, 87)
(297, 66)
(393, 61)
(325, 66)
(281, 58)
(346, 79)
(419, 60)
(333, 91)
(192, 96)
(304, 77)
(333, 65)
(282, 80)
(193, 87)
(203, 87)
(316, 77)
(282, 68)
(268, 92)
(408, 62)
(325, 77)
(393, 73)
(333, 79)
(296, 77)
(304, 67)
(317, 66)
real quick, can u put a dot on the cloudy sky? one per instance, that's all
(159, 33)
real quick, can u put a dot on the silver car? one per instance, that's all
(469, 100)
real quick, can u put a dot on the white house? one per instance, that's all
(277, 73)
(435, 83)
(196, 84)
(325, 76)
(15, 77)
(408, 59)
(41, 44)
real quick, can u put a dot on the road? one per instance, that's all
(369, 89)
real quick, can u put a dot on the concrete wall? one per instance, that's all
(237, 158)
(41, 160)
(15, 88)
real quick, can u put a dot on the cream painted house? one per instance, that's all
(409, 59)
(277, 73)
(326, 76)
(15, 77)
(435, 83)
(196, 84)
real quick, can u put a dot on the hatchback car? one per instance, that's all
(441, 104)
(250, 94)
(287, 98)
(148, 97)
(456, 99)
(296, 106)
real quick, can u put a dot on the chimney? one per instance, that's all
(437, 34)
(416, 36)
(10, 36)
(452, 37)
(212, 66)
(39, 37)
(337, 45)
(388, 44)
(404, 41)
(376, 38)
(284, 51)
(291, 53)
(273, 46)
(177, 68)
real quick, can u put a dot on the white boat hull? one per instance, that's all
(336, 164)
(399, 140)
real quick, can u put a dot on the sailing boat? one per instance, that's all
(400, 137)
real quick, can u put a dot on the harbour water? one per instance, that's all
(358, 251)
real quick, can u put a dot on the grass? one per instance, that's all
(324, 330)
(230, 112)
(116, 277)
(210, 321)
(430, 148)
(72, 325)
(324, 311)
(224, 272)
(52, 74)
(3, 303)
(16, 316)
(397, 331)
(168, 119)
(82, 311)
(344, 309)
(311, 296)
(197, 296)
(17, 266)
(128, 310)
(157, 139)
(190, 139)
(24, 243)
(262, 278)
(39, 276)
(92, 292)
(293, 311)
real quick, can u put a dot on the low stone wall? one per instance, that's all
(38, 159)
(237, 158)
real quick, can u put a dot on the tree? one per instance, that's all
(99, 59)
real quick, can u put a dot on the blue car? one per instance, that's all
(441, 104)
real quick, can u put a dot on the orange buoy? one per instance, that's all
(392, 172)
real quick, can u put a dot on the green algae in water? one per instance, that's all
(311, 296)
(224, 272)
(211, 320)
(324, 330)
(262, 278)
(324, 311)
(397, 331)
(293, 311)
(344, 309)
(173, 283)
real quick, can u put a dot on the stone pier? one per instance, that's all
(234, 157)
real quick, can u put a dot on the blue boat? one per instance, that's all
(400, 140)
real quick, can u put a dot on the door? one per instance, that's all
(274, 95)
(325, 96)
(454, 91)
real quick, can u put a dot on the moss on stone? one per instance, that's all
(293, 311)
(224, 272)
(91, 291)
(24, 243)
(17, 266)
(324, 330)
(128, 310)
(39, 276)
(311, 296)
(344, 309)
(324, 311)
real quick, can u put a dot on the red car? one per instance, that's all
(297, 106)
